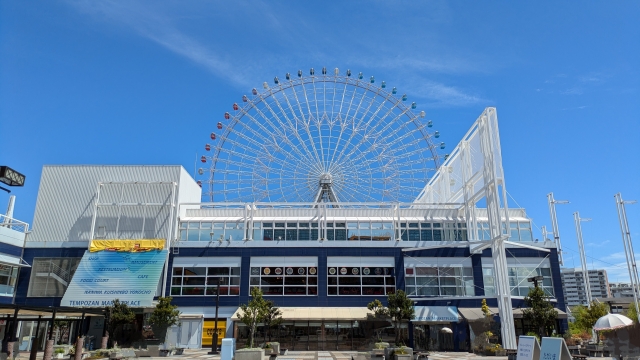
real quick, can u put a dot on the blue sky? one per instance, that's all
(85, 82)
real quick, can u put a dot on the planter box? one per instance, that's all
(403, 357)
(122, 354)
(249, 354)
(377, 353)
(179, 351)
(273, 350)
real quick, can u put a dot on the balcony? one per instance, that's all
(12, 231)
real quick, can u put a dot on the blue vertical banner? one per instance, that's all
(101, 277)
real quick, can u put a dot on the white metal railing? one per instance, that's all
(54, 271)
(13, 224)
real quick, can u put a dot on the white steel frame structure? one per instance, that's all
(474, 172)
(158, 196)
(628, 248)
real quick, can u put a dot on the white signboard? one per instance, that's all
(554, 349)
(436, 313)
(528, 348)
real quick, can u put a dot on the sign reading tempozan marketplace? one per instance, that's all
(101, 277)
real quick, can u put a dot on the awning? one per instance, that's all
(101, 277)
(320, 313)
(12, 261)
(126, 245)
(518, 314)
(475, 314)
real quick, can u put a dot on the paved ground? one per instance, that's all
(314, 355)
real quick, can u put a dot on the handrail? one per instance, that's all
(13, 224)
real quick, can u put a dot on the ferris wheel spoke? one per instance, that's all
(318, 118)
(292, 123)
(260, 147)
(305, 119)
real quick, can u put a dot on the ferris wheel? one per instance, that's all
(320, 138)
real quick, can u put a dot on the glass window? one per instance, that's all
(198, 281)
(365, 281)
(287, 281)
(441, 281)
(51, 276)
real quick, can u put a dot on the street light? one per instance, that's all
(628, 248)
(214, 336)
(10, 177)
(583, 256)
(554, 223)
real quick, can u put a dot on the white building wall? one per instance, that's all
(67, 195)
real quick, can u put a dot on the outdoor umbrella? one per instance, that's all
(611, 322)
(446, 330)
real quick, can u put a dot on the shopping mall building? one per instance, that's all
(135, 233)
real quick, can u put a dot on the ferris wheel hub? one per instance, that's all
(326, 179)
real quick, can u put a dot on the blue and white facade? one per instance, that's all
(322, 263)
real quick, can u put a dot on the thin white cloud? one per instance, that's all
(438, 94)
(158, 28)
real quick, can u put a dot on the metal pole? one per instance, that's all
(34, 344)
(583, 257)
(628, 249)
(214, 337)
(554, 224)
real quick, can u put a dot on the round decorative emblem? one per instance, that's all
(332, 271)
(300, 271)
(267, 271)
(343, 271)
(355, 271)
(312, 271)
(255, 271)
(378, 271)
(289, 271)
(366, 271)
(278, 271)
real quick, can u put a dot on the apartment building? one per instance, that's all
(573, 285)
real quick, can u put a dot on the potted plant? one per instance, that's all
(163, 316)
(401, 353)
(59, 353)
(378, 348)
(272, 348)
(399, 309)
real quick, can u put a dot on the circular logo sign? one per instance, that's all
(278, 271)
(343, 271)
(289, 271)
(267, 271)
(312, 271)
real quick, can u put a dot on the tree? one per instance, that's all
(272, 317)
(253, 312)
(632, 313)
(540, 312)
(163, 316)
(119, 315)
(586, 317)
(399, 308)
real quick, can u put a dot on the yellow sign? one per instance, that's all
(127, 245)
(207, 331)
